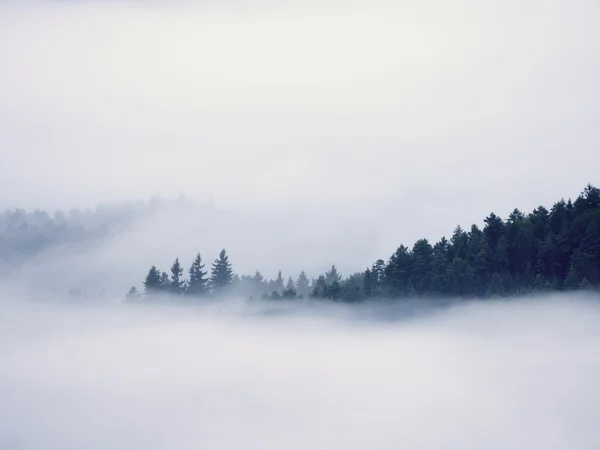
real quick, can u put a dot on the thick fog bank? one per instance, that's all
(498, 374)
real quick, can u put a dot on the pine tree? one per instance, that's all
(198, 283)
(368, 283)
(290, 289)
(378, 271)
(420, 275)
(303, 285)
(221, 274)
(133, 294)
(332, 275)
(177, 284)
(334, 290)
(258, 284)
(397, 272)
(152, 283)
(258, 278)
(277, 284)
(319, 287)
(165, 282)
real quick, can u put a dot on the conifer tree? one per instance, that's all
(165, 282)
(177, 284)
(152, 283)
(332, 275)
(221, 274)
(303, 285)
(368, 283)
(290, 289)
(319, 287)
(278, 283)
(198, 283)
(133, 294)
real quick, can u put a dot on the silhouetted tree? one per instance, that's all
(133, 294)
(198, 282)
(177, 284)
(152, 283)
(289, 291)
(332, 275)
(302, 285)
(221, 275)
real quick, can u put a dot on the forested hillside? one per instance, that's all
(544, 250)
(26, 234)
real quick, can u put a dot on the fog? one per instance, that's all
(306, 134)
(258, 104)
(516, 374)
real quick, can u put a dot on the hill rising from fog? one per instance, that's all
(546, 250)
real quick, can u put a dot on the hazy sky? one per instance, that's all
(262, 103)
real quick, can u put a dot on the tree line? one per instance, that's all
(545, 250)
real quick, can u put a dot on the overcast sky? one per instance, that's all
(257, 103)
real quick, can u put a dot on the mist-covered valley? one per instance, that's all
(501, 374)
(299, 225)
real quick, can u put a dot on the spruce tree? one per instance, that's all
(177, 284)
(152, 283)
(277, 285)
(368, 283)
(133, 294)
(257, 284)
(198, 283)
(303, 285)
(290, 289)
(319, 287)
(165, 282)
(332, 275)
(221, 274)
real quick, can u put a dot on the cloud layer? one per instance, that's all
(513, 375)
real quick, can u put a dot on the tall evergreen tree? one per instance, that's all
(152, 283)
(439, 262)
(303, 285)
(397, 272)
(259, 286)
(420, 275)
(378, 271)
(493, 230)
(278, 285)
(369, 283)
(165, 282)
(177, 283)
(221, 274)
(332, 275)
(198, 282)
(289, 291)
(319, 287)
